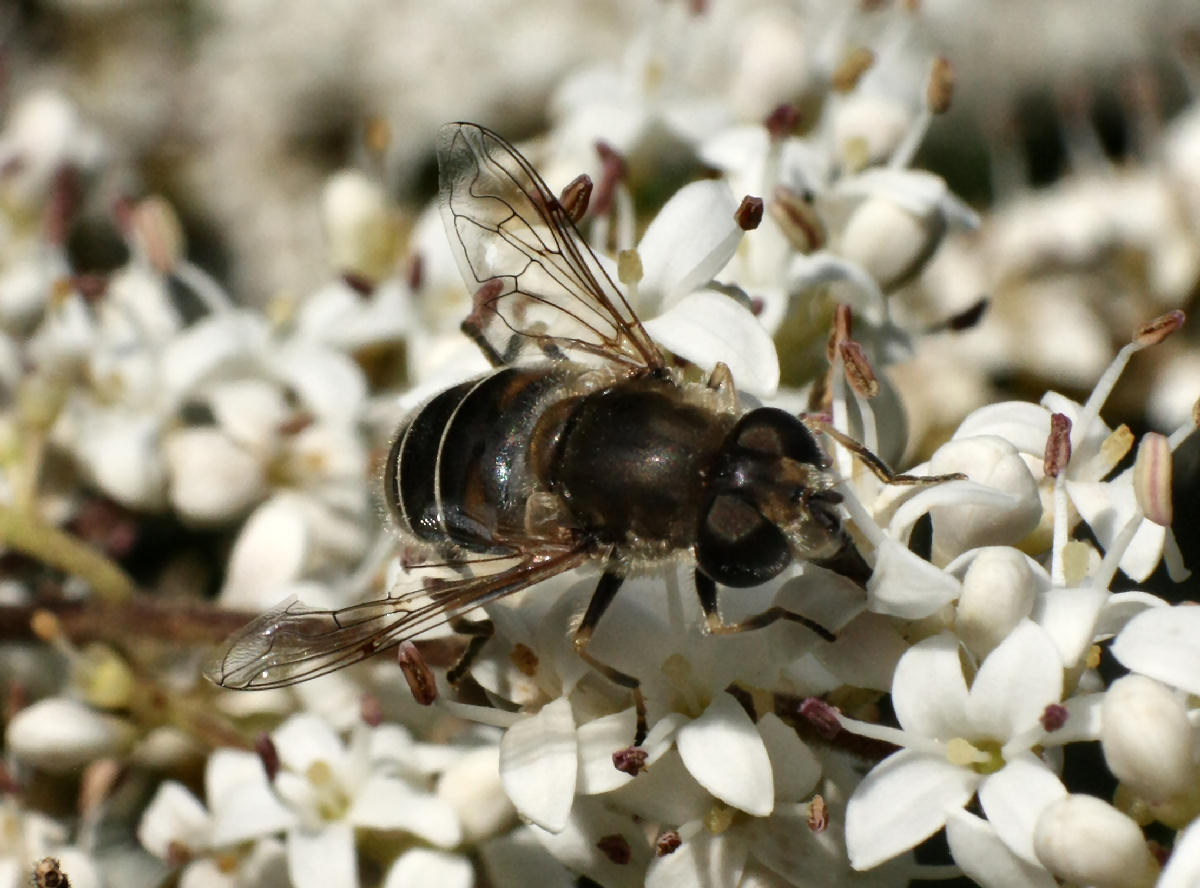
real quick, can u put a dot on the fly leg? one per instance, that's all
(479, 633)
(606, 591)
(877, 466)
(706, 590)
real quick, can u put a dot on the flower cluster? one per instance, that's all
(176, 458)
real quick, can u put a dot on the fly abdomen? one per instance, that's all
(458, 470)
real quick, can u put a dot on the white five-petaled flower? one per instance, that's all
(959, 740)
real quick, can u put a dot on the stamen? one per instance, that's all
(575, 197)
(854, 64)
(1152, 478)
(417, 673)
(749, 213)
(1149, 334)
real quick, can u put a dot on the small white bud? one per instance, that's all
(361, 227)
(1089, 842)
(997, 593)
(212, 478)
(472, 787)
(890, 242)
(1147, 741)
(58, 734)
(992, 462)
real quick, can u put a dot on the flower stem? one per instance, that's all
(22, 531)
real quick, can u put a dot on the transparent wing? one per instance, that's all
(293, 642)
(536, 282)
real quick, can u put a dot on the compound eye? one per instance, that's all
(737, 546)
(777, 433)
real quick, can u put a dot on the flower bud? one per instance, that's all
(992, 462)
(1087, 841)
(1147, 741)
(58, 735)
(361, 228)
(890, 242)
(997, 593)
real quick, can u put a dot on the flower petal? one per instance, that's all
(539, 761)
(906, 585)
(977, 848)
(598, 740)
(305, 739)
(727, 756)
(1015, 683)
(929, 693)
(900, 803)
(578, 844)
(390, 803)
(1070, 616)
(425, 866)
(323, 858)
(518, 860)
(793, 765)
(1014, 796)
(1183, 869)
(692, 238)
(174, 815)
(1163, 643)
(1107, 506)
(706, 327)
(702, 859)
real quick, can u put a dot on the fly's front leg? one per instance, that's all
(877, 466)
(606, 591)
(706, 590)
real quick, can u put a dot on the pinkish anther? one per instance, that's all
(781, 122)
(1058, 445)
(822, 716)
(1054, 716)
(631, 760)
(267, 754)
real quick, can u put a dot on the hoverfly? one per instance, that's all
(582, 445)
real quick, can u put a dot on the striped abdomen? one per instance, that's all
(458, 471)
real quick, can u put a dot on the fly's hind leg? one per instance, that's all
(706, 590)
(606, 591)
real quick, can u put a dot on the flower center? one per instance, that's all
(981, 756)
(330, 802)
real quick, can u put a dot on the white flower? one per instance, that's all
(26, 836)
(958, 741)
(321, 793)
(693, 236)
